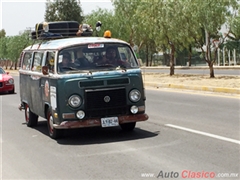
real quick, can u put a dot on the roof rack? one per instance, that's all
(60, 29)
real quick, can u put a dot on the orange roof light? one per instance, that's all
(107, 34)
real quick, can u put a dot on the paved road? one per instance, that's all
(186, 133)
(200, 71)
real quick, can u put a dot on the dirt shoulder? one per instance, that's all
(193, 80)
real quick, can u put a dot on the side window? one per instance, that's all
(50, 61)
(26, 63)
(37, 61)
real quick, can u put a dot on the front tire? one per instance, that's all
(53, 132)
(30, 118)
(128, 126)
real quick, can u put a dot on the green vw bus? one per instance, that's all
(80, 82)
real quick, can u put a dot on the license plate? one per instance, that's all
(109, 121)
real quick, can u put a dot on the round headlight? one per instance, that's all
(74, 101)
(134, 95)
(11, 81)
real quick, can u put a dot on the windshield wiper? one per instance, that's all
(71, 68)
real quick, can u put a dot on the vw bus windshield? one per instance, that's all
(96, 57)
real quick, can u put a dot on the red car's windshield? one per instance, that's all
(2, 71)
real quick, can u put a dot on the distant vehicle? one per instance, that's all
(77, 82)
(6, 82)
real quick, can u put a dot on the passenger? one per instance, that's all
(50, 64)
(110, 56)
(81, 60)
(85, 30)
(80, 53)
(80, 30)
(66, 63)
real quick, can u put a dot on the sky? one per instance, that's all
(19, 15)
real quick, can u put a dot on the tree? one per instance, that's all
(2, 45)
(2, 33)
(186, 23)
(127, 19)
(15, 45)
(234, 24)
(134, 28)
(3, 50)
(233, 42)
(164, 25)
(63, 10)
(206, 19)
(107, 19)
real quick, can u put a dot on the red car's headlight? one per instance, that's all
(10, 81)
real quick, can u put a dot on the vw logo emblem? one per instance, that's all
(106, 99)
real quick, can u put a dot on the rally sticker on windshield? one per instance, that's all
(90, 46)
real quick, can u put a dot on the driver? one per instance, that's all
(111, 58)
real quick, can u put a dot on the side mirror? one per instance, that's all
(45, 70)
(98, 25)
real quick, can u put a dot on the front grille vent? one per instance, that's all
(106, 102)
(118, 81)
(97, 83)
(91, 83)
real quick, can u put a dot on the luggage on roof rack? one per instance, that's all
(58, 29)
(85, 30)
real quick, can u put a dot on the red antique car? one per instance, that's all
(6, 82)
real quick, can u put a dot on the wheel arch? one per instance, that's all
(24, 102)
(46, 107)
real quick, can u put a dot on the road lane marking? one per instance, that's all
(204, 133)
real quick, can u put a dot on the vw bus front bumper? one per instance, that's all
(93, 122)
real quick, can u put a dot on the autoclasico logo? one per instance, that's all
(187, 174)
